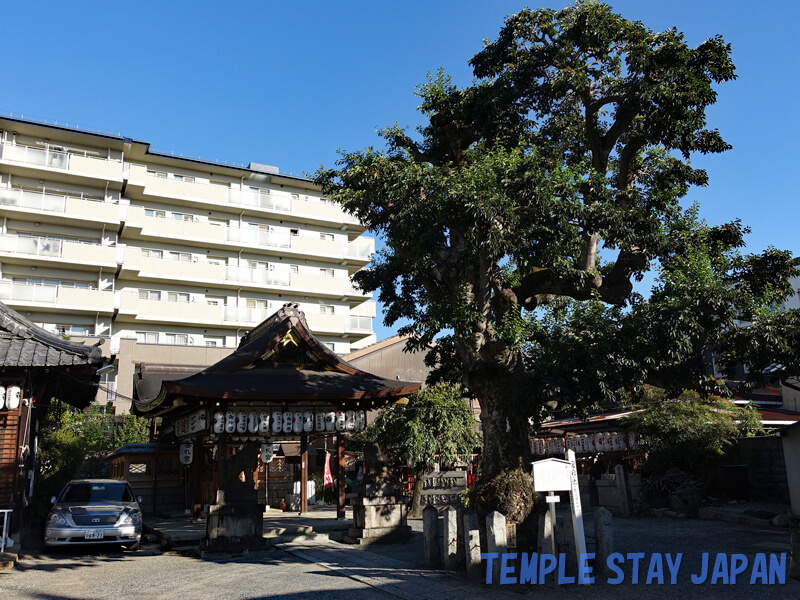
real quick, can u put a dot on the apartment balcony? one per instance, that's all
(42, 249)
(245, 315)
(259, 200)
(322, 324)
(59, 206)
(147, 268)
(257, 237)
(359, 324)
(174, 229)
(173, 189)
(163, 311)
(48, 297)
(261, 277)
(57, 161)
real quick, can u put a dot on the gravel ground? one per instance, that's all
(134, 576)
(277, 574)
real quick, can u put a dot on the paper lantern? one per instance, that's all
(298, 422)
(330, 421)
(341, 421)
(12, 397)
(263, 422)
(319, 421)
(230, 422)
(252, 422)
(267, 453)
(241, 422)
(308, 421)
(219, 422)
(187, 453)
(288, 421)
(350, 420)
(361, 420)
(277, 421)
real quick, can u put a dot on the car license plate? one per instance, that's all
(94, 534)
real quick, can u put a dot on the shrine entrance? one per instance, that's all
(280, 385)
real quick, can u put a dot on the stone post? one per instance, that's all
(604, 540)
(450, 539)
(496, 540)
(545, 538)
(472, 550)
(566, 544)
(461, 547)
(430, 536)
(623, 490)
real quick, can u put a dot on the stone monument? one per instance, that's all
(379, 506)
(235, 522)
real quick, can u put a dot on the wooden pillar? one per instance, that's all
(340, 500)
(303, 473)
(195, 474)
(222, 459)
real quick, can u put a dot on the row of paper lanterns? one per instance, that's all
(9, 397)
(186, 453)
(612, 441)
(288, 421)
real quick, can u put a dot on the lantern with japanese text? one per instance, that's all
(187, 453)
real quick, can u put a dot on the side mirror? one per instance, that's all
(53, 500)
(138, 499)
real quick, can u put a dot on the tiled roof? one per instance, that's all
(23, 344)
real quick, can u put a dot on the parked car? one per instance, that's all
(94, 511)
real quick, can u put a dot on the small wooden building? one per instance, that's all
(35, 365)
(280, 385)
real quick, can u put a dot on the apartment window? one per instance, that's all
(178, 297)
(257, 264)
(150, 212)
(147, 337)
(327, 237)
(159, 174)
(81, 330)
(295, 196)
(184, 178)
(182, 216)
(326, 272)
(217, 222)
(176, 339)
(294, 269)
(151, 253)
(149, 295)
(184, 256)
(257, 303)
(215, 300)
(217, 260)
(325, 309)
(215, 341)
(328, 345)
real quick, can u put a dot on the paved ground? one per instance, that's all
(299, 570)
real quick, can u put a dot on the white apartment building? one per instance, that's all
(171, 259)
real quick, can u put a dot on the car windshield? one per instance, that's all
(97, 492)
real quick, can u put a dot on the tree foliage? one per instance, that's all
(690, 432)
(574, 139)
(436, 425)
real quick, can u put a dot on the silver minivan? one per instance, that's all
(94, 511)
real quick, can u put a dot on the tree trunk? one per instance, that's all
(504, 422)
(416, 493)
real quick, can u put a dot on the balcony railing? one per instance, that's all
(31, 245)
(260, 200)
(43, 157)
(257, 237)
(244, 314)
(360, 251)
(48, 201)
(355, 323)
(24, 292)
(260, 276)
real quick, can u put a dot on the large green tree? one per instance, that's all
(574, 138)
(435, 425)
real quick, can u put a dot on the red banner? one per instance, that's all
(327, 477)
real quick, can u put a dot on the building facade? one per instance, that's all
(171, 259)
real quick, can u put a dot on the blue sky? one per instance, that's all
(289, 83)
